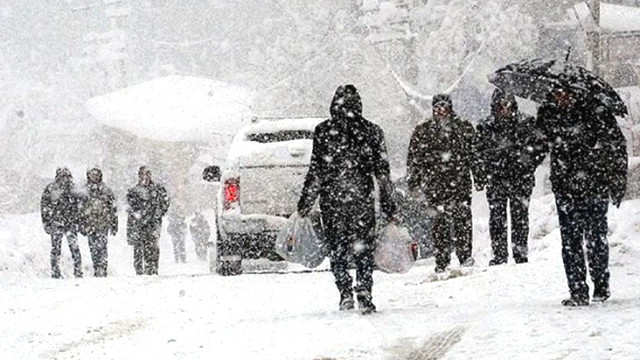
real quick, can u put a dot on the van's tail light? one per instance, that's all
(231, 192)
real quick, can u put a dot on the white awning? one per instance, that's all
(175, 108)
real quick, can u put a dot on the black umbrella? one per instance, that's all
(535, 79)
(529, 80)
(588, 86)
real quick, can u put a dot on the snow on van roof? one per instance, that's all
(175, 108)
(270, 125)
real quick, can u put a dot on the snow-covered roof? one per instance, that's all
(175, 108)
(613, 18)
(275, 125)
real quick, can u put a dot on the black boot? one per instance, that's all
(575, 301)
(601, 294)
(497, 261)
(346, 300)
(364, 302)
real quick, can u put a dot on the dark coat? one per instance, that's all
(147, 205)
(440, 160)
(588, 151)
(98, 210)
(59, 206)
(348, 153)
(508, 151)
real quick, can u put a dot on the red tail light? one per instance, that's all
(231, 192)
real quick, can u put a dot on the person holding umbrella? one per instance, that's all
(508, 151)
(588, 167)
(588, 161)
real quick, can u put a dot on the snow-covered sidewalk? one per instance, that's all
(504, 312)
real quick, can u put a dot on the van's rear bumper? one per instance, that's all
(250, 236)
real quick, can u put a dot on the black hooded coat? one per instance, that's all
(59, 205)
(348, 153)
(98, 209)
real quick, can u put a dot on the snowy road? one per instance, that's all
(505, 312)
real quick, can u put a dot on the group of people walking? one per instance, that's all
(92, 211)
(446, 156)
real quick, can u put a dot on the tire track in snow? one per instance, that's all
(434, 348)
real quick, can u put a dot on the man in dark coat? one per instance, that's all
(99, 217)
(148, 203)
(59, 210)
(348, 153)
(508, 150)
(200, 233)
(439, 165)
(588, 167)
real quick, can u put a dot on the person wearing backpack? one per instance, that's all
(99, 218)
(348, 153)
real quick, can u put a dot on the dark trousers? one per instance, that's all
(584, 219)
(179, 250)
(452, 229)
(56, 251)
(519, 209)
(351, 237)
(98, 247)
(146, 254)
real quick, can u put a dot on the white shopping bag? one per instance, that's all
(396, 251)
(301, 241)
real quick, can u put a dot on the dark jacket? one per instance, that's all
(440, 160)
(348, 153)
(147, 205)
(588, 151)
(98, 209)
(508, 151)
(59, 204)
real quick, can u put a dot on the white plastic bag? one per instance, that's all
(301, 241)
(396, 251)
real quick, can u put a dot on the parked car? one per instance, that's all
(260, 183)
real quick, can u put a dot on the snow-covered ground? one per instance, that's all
(504, 312)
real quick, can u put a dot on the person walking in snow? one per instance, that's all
(439, 167)
(200, 233)
(508, 151)
(99, 217)
(348, 153)
(60, 218)
(177, 229)
(148, 202)
(588, 167)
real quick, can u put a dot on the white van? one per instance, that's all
(260, 187)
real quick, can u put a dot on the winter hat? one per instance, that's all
(442, 99)
(144, 171)
(63, 173)
(94, 170)
(346, 102)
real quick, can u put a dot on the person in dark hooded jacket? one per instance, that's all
(439, 168)
(348, 153)
(60, 217)
(148, 203)
(99, 217)
(588, 167)
(508, 150)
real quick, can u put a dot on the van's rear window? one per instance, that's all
(280, 136)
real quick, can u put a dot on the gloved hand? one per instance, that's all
(616, 197)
